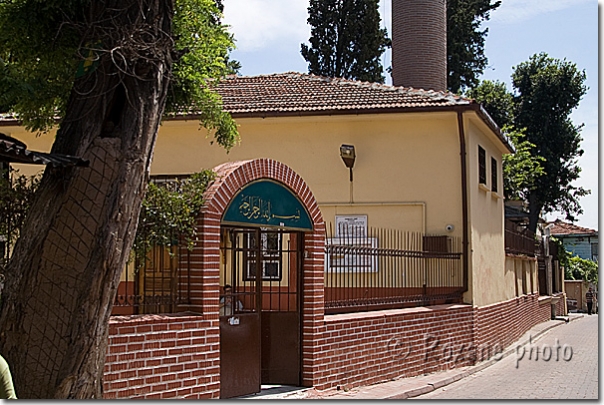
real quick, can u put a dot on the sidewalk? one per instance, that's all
(403, 388)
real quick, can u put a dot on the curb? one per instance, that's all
(429, 387)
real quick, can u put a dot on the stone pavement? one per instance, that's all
(562, 364)
(404, 388)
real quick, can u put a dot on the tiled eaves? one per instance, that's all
(295, 94)
(299, 92)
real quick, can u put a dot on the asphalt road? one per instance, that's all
(566, 368)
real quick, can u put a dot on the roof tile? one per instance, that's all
(297, 92)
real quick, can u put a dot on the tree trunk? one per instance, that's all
(63, 276)
(534, 212)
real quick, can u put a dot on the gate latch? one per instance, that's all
(233, 321)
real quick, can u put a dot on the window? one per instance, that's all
(493, 175)
(482, 166)
(594, 252)
(270, 250)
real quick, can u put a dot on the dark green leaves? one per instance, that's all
(169, 212)
(346, 40)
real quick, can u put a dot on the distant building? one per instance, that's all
(580, 241)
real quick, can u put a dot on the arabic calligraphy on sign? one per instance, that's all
(255, 208)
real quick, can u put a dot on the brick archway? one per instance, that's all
(204, 284)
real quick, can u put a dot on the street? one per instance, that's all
(563, 364)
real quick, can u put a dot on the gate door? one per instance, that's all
(260, 317)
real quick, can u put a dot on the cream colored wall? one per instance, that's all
(490, 280)
(397, 155)
(520, 276)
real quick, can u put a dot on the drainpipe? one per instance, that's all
(464, 198)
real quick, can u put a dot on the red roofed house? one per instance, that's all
(578, 240)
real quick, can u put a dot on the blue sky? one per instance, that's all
(269, 34)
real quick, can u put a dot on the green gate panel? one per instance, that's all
(267, 203)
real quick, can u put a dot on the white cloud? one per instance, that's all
(259, 24)
(516, 11)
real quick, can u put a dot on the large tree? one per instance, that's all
(547, 92)
(346, 40)
(465, 41)
(109, 70)
(536, 117)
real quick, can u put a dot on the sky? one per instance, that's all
(269, 33)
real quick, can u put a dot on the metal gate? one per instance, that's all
(259, 309)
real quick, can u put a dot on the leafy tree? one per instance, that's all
(496, 99)
(465, 42)
(169, 212)
(346, 39)
(575, 267)
(547, 90)
(109, 70)
(537, 120)
(523, 168)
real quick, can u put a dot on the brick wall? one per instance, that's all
(162, 356)
(419, 44)
(178, 356)
(366, 348)
(501, 324)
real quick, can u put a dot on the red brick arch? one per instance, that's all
(204, 280)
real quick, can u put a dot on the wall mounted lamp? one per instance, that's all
(348, 155)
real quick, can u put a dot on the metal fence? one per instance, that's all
(156, 286)
(371, 269)
(520, 240)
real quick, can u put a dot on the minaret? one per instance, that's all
(419, 44)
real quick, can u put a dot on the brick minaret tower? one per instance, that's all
(419, 44)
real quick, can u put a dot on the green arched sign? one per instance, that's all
(267, 203)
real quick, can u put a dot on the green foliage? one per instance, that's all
(16, 194)
(168, 213)
(582, 269)
(576, 268)
(43, 42)
(536, 118)
(522, 170)
(346, 39)
(465, 42)
(547, 91)
(496, 100)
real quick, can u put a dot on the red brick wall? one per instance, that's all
(162, 356)
(501, 324)
(178, 356)
(366, 348)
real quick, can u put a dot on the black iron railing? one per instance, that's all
(520, 241)
(379, 269)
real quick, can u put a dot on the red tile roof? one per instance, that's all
(296, 94)
(305, 93)
(559, 227)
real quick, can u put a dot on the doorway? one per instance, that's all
(260, 302)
